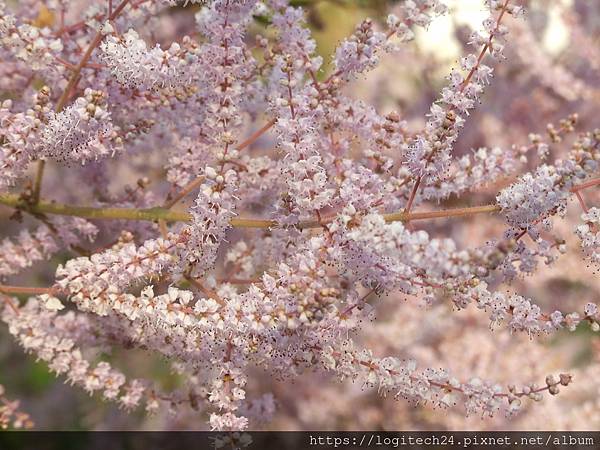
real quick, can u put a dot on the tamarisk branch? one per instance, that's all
(161, 213)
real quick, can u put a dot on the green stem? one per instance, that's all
(161, 213)
(45, 207)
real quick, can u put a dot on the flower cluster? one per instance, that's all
(211, 214)
(39, 330)
(358, 53)
(134, 66)
(82, 132)
(521, 314)
(297, 109)
(484, 166)
(419, 12)
(536, 196)
(429, 155)
(588, 234)
(91, 281)
(10, 413)
(227, 75)
(215, 195)
(30, 44)
(434, 386)
(31, 247)
(389, 255)
(18, 133)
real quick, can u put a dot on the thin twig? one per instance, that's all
(10, 303)
(25, 290)
(591, 183)
(581, 201)
(254, 137)
(211, 293)
(413, 194)
(184, 192)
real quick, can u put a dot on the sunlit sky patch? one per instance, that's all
(439, 38)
